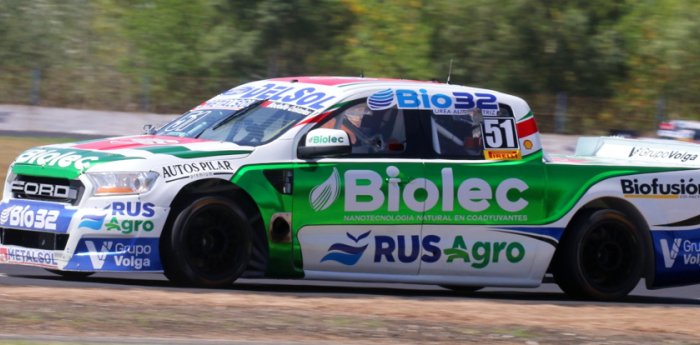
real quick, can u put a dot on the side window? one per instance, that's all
(372, 132)
(458, 136)
(462, 136)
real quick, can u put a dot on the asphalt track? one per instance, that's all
(547, 293)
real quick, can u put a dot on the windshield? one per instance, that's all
(255, 126)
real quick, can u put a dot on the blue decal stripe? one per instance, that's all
(91, 224)
(347, 249)
(378, 97)
(345, 259)
(93, 217)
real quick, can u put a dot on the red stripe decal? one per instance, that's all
(315, 119)
(527, 128)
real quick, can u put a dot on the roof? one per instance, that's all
(322, 92)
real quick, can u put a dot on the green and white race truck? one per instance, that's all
(359, 179)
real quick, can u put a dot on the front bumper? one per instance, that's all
(111, 234)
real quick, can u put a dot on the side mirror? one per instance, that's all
(149, 129)
(324, 142)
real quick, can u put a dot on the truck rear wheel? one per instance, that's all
(600, 257)
(210, 244)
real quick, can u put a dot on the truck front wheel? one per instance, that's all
(210, 243)
(600, 257)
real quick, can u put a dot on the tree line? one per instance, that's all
(603, 49)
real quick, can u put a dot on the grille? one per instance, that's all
(33, 239)
(43, 189)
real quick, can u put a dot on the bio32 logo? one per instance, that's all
(456, 103)
(27, 217)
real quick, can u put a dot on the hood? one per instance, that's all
(72, 159)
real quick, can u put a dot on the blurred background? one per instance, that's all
(585, 66)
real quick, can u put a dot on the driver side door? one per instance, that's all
(351, 214)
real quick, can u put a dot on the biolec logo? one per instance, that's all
(456, 103)
(325, 194)
(472, 194)
(363, 192)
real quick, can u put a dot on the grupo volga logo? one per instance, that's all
(381, 100)
(325, 194)
(670, 254)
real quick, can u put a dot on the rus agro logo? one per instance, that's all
(407, 249)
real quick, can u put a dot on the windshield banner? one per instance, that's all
(313, 97)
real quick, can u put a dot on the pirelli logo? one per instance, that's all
(503, 155)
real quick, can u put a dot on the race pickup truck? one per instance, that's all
(359, 179)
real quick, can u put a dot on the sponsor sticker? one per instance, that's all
(60, 158)
(234, 104)
(677, 257)
(35, 215)
(302, 95)
(660, 189)
(28, 257)
(662, 154)
(115, 254)
(363, 192)
(454, 103)
(325, 194)
(651, 153)
(479, 254)
(505, 155)
(196, 170)
(118, 216)
(288, 107)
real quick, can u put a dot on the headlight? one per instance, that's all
(108, 183)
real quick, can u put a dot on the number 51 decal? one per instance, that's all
(499, 134)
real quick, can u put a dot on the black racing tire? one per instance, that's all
(72, 274)
(209, 244)
(462, 288)
(600, 257)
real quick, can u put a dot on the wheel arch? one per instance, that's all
(233, 192)
(635, 216)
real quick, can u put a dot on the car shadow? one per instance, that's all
(325, 289)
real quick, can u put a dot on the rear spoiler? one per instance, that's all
(665, 152)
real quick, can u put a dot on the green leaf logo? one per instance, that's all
(325, 194)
